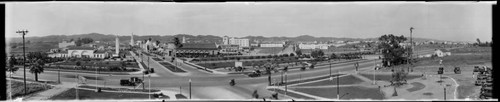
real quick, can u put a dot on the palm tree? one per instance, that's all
(37, 68)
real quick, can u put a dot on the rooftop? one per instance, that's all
(80, 48)
(201, 46)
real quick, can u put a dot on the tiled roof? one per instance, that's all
(198, 46)
(80, 48)
(100, 51)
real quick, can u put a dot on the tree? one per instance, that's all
(37, 68)
(391, 50)
(78, 63)
(478, 41)
(398, 78)
(37, 55)
(333, 56)
(11, 67)
(298, 52)
(317, 53)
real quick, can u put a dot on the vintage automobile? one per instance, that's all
(133, 81)
(476, 69)
(457, 70)
(486, 93)
(255, 74)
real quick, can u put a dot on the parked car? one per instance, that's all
(133, 81)
(254, 74)
(486, 93)
(476, 69)
(152, 70)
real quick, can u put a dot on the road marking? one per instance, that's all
(456, 87)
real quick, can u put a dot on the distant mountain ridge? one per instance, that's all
(190, 38)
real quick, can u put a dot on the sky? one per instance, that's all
(460, 21)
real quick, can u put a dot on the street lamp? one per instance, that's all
(149, 75)
(338, 88)
(23, 33)
(286, 83)
(96, 78)
(189, 88)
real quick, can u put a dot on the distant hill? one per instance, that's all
(190, 38)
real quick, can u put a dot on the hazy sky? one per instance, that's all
(444, 21)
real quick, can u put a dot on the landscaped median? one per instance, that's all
(172, 67)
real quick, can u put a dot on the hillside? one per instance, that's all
(190, 38)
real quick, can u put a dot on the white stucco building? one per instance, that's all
(233, 41)
(271, 45)
(313, 46)
(80, 52)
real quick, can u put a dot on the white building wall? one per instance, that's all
(271, 45)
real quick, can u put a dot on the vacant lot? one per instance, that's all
(18, 88)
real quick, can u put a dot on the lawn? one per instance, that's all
(157, 59)
(270, 50)
(172, 67)
(416, 86)
(119, 89)
(465, 58)
(18, 88)
(346, 80)
(312, 79)
(100, 63)
(387, 77)
(180, 96)
(282, 92)
(91, 94)
(353, 92)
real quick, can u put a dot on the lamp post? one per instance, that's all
(330, 67)
(189, 88)
(411, 42)
(58, 74)
(23, 33)
(149, 75)
(96, 78)
(374, 64)
(286, 83)
(338, 89)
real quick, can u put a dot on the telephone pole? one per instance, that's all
(23, 32)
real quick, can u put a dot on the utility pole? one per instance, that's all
(23, 32)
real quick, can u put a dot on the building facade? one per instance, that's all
(233, 41)
(313, 46)
(271, 45)
(80, 52)
(197, 50)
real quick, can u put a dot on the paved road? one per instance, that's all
(164, 78)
